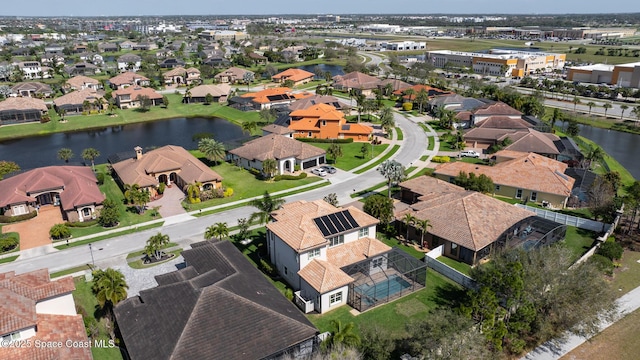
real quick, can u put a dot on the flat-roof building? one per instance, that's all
(623, 75)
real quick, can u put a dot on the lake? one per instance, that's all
(622, 146)
(42, 150)
(333, 69)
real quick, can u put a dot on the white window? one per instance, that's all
(534, 196)
(519, 194)
(314, 253)
(336, 240)
(86, 212)
(377, 262)
(364, 232)
(335, 298)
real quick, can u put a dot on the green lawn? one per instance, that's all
(377, 162)
(87, 305)
(139, 264)
(351, 155)
(627, 276)
(141, 252)
(70, 271)
(424, 157)
(432, 143)
(109, 236)
(400, 135)
(578, 240)
(394, 242)
(394, 316)
(8, 259)
(460, 266)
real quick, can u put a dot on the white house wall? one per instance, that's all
(283, 257)
(61, 305)
(304, 257)
(324, 299)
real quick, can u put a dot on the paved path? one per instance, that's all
(170, 203)
(556, 349)
(35, 232)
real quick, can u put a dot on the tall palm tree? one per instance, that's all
(623, 108)
(65, 154)
(110, 288)
(393, 171)
(249, 126)
(269, 168)
(90, 154)
(408, 220)
(343, 334)
(386, 118)
(575, 101)
(421, 98)
(606, 106)
(636, 112)
(595, 153)
(423, 225)
(213, 150)
(555, 116)
(265, 205)
(590, 104)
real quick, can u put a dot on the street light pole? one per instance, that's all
(92, 260)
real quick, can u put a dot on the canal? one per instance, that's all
(624, 147)
(42, 150)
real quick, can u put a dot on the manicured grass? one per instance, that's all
(369, 189)
(245, 185)
(351, 155)
(578, 240)
(627, 178)
(470, 160)
(447, 146)
(394, 316)
(627, 276)
(432, 143)
(139, 264)
(400, 135)
(394, 242)
(8, 259)
(460, 266)
(88, 306)
(70, 271)
(141, 252)
(409, 170)
(108, 236)
(424, 171)
(424, 157)
(377, 162)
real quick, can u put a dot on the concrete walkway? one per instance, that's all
(170, 203)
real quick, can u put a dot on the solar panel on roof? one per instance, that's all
(335, 223)
(329, 224)
(334, 219)
(352, 221)
(323, 229)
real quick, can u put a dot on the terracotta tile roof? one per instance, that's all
(79, 81)
(32, 86)
(238, 73)
(354, 251)
(467, 218)
(295, 226)
(356, 129)
(22, 103)
(317, 99)
(180, 71)
(276, 129)
(78, 97)
(324, 276)
(498, 108)
(503, 122)
(135, 91)
(79, 183)
(532, 140)
(293, 74)
(127, 78)
(431, 91)
(215, 90)
(395, 83)
(274, 146)
(275, 94)
(356, 80)
(166, 158)
(528, 171)
(309, 120)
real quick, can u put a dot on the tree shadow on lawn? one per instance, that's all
(449, 295)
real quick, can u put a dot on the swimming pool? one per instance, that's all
(389, 287)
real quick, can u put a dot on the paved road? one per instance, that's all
(187, 229)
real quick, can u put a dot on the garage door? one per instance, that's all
(308, 164)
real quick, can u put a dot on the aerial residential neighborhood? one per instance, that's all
(208, 184)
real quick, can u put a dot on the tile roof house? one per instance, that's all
(357, 81)
(31, 89)
(73, 188)
(128, 79)
(16, 110)
(298, 76)
(34, 310)
(168, 164)
(171, 63)
(131, 97)
(522, 140)
(277, 97)
(232, 75)
(323, 121)
(467, 223)
(277, 130)
(287, 152)
(519, 175)
(82, 68)
(318, 99)
(129, 62)
(81, 82)
(198, 94)
(218, 307)
(180, 76)
(77, 102)
(431, 92)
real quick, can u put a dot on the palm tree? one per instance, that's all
(155, 244)
(423, 225)
(557, 115)
(576, 101)
(636, 112)
(343, 334)
(110, 288)
(386, 118)
(265, 205)
(221, 230)
(590, 104)
(335, 151)
(623, 107)
(606, 106)
(211, 232)
(90, 154)
(65, 154)
(408, 220)
(129, 192)
(212, 150)
(393, 171)
(595, 153)
(193, 192)
(269, 168)
(421, 98)
(249, 126)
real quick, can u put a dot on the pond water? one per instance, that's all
(622, 146)
(42, 150)
(333, 69)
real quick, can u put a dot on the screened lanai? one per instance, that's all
(384, 278)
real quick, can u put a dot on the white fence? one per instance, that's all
(431, 259)
(578, 222)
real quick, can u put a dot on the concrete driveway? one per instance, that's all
(35, 232)
(170, 203)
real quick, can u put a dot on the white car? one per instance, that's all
(319, 172)
(469, 153)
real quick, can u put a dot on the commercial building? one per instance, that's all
(498, 62)
(403, 45)
(623, 75)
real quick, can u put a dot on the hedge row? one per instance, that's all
(12, 219)
(441, 159)
(315, 140)
(290, 177)
(82, 224)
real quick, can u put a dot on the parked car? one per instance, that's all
(469, 153)
(319, 171)
(329, 169)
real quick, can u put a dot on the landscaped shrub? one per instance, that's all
(407, 106)
(161, 188)
(290, 177)
(266, 267)
(288, 293)
(211, 194)
(45, 119)
(337, 141)
(83, 224)
(109, 215)
(611, 250)
(441, 159)
(228, 192)
(59, 231)
(100, 177)
(8, 242)
(12, 219)
(296, 167)
(603, 263)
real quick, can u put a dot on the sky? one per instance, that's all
(264, 7)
